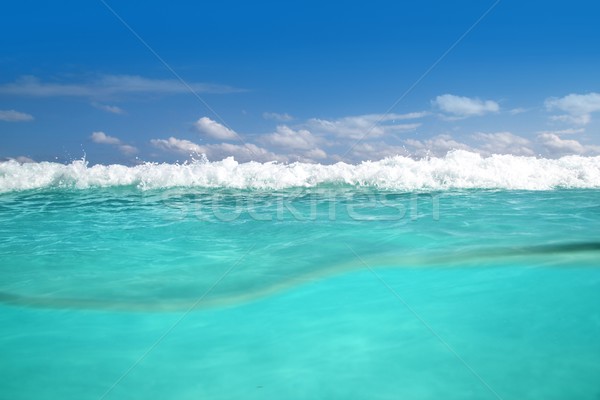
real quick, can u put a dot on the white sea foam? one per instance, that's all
(457, 170)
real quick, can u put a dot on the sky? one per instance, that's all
(168, 81)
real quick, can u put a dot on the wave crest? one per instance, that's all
(457, 170)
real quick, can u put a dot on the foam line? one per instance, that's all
(457, 170)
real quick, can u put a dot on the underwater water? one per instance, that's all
(456, 278)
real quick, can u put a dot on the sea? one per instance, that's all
(460, 277)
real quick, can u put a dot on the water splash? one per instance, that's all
(457, 170)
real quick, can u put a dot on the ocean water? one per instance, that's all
(459, 278)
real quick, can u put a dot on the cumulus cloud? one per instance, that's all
(128, 149)
(278, 117)
(366, 126)
(557, 146)
(503, 143)
(14, 116)
(305, 145)
(107, 85)
(484, 143)
(109, 108)
(463, 107)
(286, 137)
(102, 138)
(247, 152)
(577, 107)
(214, 129)
(178, 145)
(315, 154)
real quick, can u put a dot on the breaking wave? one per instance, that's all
(457, 170)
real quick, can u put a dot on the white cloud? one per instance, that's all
(365, 126)
(178, 145)
(568, 131)
(412, 115)
(572, 119)
(489, 143)
(19, 159)
(557, 146)
(518, 110)
(14, 116)
(278, 117)
(109, 108)
(102, 138)
(247, 152)
(219, 151)
(128, 149)
(374, 151)
(215, 129)
(578, 107)
(316, 154)
(504, 143)
(463, 107)
(303, 143)
(437, 146)
(107, 85)
(286, 137)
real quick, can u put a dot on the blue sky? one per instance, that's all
(297, 81)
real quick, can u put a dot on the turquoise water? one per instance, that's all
(334, 291)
